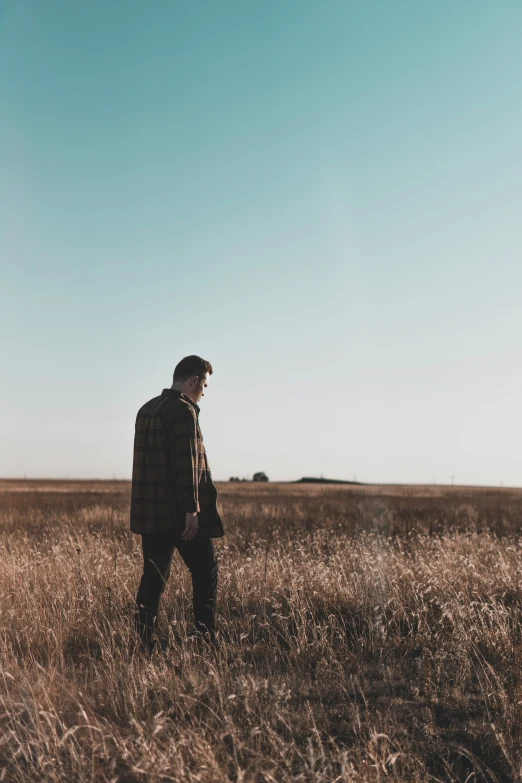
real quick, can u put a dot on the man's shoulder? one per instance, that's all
(177, 408)
(150, 406)
(167, 405)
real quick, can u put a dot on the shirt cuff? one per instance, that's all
(190, 506)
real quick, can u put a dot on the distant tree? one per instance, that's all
(233, 478)
(260, 476)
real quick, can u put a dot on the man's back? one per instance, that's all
(170, 474)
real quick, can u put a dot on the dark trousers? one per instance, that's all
(199, 556)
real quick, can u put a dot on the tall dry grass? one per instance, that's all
(367, 635)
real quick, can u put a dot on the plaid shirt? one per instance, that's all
(170, 474)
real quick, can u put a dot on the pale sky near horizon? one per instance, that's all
(321, 198)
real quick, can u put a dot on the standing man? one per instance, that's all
(173, 499)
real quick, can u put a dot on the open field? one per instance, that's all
(369, 633)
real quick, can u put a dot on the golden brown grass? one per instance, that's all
(368, 634)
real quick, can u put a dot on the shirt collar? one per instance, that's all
(183, 396)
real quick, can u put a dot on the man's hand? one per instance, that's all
(191, 526)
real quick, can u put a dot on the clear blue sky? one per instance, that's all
(321, 198)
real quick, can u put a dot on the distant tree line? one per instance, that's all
(260, 476)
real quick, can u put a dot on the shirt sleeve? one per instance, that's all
(182, 430)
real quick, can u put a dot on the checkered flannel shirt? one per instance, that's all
(170, 474)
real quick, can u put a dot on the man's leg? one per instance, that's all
(199, 555)
(157, 549)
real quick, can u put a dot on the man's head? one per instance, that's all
(190, 376)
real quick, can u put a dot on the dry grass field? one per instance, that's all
(367, 634)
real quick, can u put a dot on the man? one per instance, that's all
(173, 499)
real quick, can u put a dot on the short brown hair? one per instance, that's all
(189, 366)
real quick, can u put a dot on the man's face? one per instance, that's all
(198, 385)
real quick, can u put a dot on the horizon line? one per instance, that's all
(281, 481)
